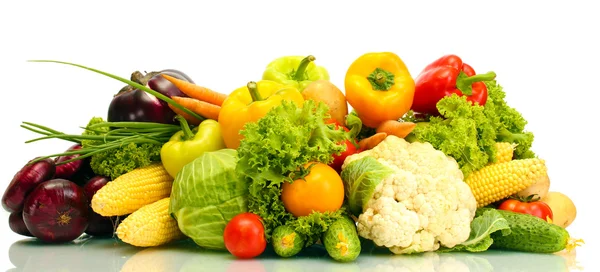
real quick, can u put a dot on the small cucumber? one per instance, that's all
(530, 234)
(287, 242)
(341, 240)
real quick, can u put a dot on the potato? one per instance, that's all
(563, 208)
(326, 92)
(540, 188)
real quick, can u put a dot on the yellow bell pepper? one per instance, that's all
(379, 87)
(250, 103)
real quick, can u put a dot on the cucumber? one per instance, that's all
(287, 242)
(341, 240)
(530, 234)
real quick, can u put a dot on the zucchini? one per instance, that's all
(530, 234)
(341, 240)
(286, 241)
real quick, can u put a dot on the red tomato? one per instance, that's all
(244, 236)
(535, 208)
(338, 160)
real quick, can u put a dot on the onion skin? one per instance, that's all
(25, 181)
(56, 211)
(17, 225)
(93, 185)
(98, 225)
(67, 170)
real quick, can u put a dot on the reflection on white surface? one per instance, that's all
(112, 255)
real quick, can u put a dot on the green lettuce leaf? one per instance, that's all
(206, 194)
(482, 227)
(509, 123)
(360, 179)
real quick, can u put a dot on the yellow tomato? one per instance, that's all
(321, 190)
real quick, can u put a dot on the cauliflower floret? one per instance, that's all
(422, 205)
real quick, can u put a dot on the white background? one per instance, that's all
(545, 54)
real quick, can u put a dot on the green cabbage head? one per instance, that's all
(206, 194)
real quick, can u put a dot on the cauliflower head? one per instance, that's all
(409, 197)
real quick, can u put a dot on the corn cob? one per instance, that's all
(133, 190)
(504, 152)
(151, 225)
(501, 180)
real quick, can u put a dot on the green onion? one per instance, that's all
(118, 135)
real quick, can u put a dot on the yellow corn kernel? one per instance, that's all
(504, 152)
(151, 225)
(133, 190)
(501, 180)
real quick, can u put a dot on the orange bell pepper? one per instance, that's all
(379, 87)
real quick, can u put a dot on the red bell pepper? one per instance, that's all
(446, 76)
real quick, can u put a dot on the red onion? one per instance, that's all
(67, 170)
(98, 224)
(56, 211)
(17, 225)
(25, 181)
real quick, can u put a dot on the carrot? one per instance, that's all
(190, 119)
(205, 109)
(396, 128)
(198, 92)
(370, 142)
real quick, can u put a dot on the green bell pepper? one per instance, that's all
(295, 71)
(188, 144)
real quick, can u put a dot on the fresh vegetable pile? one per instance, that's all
(439, 162)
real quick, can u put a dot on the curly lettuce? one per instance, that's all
(509, 123)
(118, 161)
(273, 150)
(468, 132)
(463, 132)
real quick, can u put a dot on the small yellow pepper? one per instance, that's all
(379, 87)
(250, 103)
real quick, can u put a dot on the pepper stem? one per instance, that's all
(187, 132)
(299, 74)
(464, 82)
(253, 89)
(381, 80)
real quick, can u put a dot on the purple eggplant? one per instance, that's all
(134, 105)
